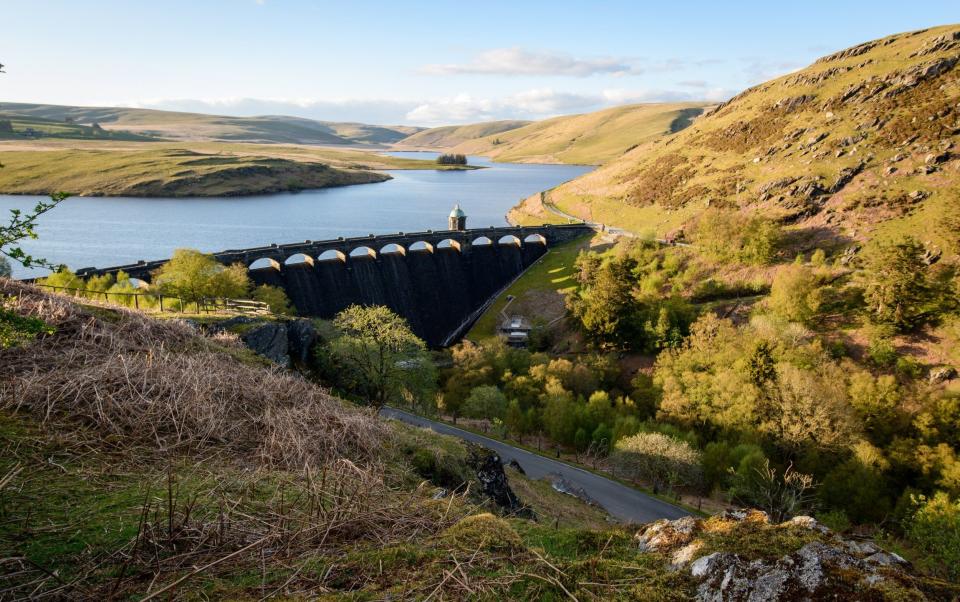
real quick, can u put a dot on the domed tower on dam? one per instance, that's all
(458, 219)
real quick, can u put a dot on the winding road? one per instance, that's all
(622, 502)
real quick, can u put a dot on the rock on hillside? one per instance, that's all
(741, 556)
(861, 141)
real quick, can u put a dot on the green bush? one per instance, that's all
(727, 235)
(934, 528)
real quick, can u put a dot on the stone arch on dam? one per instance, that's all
(436, 280)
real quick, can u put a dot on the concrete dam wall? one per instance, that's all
(434, 279)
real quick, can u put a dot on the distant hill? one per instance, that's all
(863, 142)
(588, 139)
(448, 136)
(174, 125)
(18, 127)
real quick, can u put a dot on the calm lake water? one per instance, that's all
(101, 232)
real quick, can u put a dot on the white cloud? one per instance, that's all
(378, 111)
(544, 103)
(537, 103)
(517, 61)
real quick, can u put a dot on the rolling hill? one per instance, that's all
(176, 125)
(151, 169)
(448, 136)
(588, 139)
(861, 143)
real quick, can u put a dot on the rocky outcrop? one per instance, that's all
(488, 468)
(301, 337)
(284, 342)
(822, 566)
(942, 374)
(270, 341)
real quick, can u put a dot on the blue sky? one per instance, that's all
(423, 63)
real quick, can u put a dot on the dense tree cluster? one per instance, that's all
(807, 402)
(447, 159)
(190, 276)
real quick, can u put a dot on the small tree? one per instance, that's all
(898, 288)
(934, 528)
(380, 358)
(193, 275)
(658, 459)
(485, 402)
(274, 297)
(796, 294)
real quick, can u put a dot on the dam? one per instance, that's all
(436, 280)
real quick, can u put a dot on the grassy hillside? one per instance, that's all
(187, 169)
(446, 137)
(32, 128)
(860, 144)
(538, 294)
(196, 126)
(589, 139)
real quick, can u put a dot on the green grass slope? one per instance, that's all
(148, 169)
(448, 136)
(862, 143)
(589, 139)
(199, 126)
(32, 128)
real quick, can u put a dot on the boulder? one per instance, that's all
(942, 374)
(493, 481)
(269, 340)
(666, 534)
(301, 336)
(817, 571)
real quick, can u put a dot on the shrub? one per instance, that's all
(5, 269)
(659, 459)
(781, 495)
(274, 297)
(935, 529)
(733, 236)
(796, 294)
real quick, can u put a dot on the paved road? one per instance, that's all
(620, 501)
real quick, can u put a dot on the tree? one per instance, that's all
(485, 402)
(796, 294)
(898, 288)
(934, 528)
(193, 275)
(5, 269)
(658, 459)
(275, 298)
(22, 226)
(6, 127)
(515, 420)
(380, 357)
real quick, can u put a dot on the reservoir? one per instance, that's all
(105, 231)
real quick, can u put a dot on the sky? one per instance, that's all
(422, 63)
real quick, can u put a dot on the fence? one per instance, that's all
(161, 302)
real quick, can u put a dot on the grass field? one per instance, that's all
(29, 128)
(186, 169)
(538, 294)
(589, 139)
